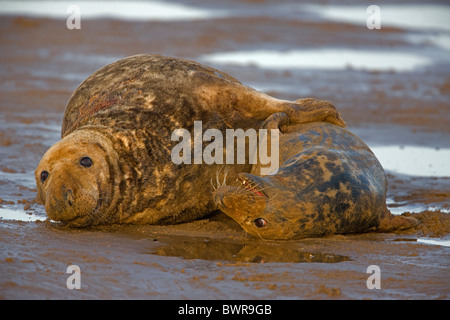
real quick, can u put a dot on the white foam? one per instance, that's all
(326, 59)
(414, 160)
(126, 10)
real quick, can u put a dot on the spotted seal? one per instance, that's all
(329, 182)
(113, 163)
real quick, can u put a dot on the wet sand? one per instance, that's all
(42, 62)
(214, 259)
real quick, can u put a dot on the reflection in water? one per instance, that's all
(260, 252)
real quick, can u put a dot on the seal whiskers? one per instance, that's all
(224, 177)
(219, 184)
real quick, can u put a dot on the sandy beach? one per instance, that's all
(391, 85)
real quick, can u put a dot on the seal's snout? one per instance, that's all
(60, 202)
(68, 193)
(70, 203)
(221, 193)
(69, 197)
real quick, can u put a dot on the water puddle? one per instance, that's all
(401, 207)
(19, 215)
(420, 16)
(209, 249)
(125, 10)
(325, 59)
(414, 160)
(438, 39)
(435, 241)
(445, 242)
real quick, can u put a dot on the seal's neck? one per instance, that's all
(128, 169)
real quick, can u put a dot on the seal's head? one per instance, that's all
(75, 179)
(256, 203)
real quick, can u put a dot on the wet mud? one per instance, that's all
(42, 62)
(214, 259)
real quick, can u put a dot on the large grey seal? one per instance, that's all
(329, 182)
(113, 163)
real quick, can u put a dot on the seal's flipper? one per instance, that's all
(252, 104)
(312, 110)
(276, 121)
(390, 222)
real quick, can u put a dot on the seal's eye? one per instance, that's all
(44, 176)
(86, 162)
(260, 222)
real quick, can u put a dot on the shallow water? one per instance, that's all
(413, 16)
(324, 59)
(20, 215)
(440, 242)
(414, 160)
(127, 10)
(211, 249)
(399, 207)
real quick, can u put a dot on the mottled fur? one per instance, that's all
(125, 114)
(329, 182)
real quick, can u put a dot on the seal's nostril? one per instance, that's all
(68, 195)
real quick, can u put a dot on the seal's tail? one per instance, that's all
(391, 222)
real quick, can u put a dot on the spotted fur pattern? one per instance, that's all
(329, 182)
